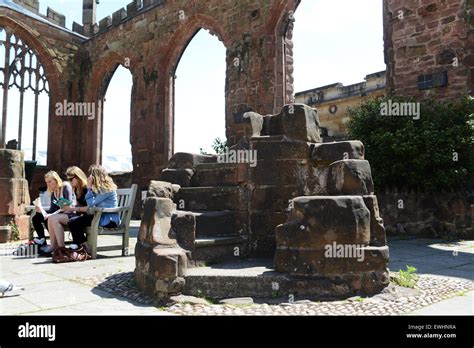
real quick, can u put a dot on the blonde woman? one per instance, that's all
(58, 190)
(102, 193)
(57, 222)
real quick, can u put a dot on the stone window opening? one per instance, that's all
(25, 97)
(199, 113)
(116, 153)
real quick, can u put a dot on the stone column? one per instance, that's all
(283, 171)
(160, 262)
(89, 10)
(14, 194)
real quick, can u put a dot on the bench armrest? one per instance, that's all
(94, 210)
(29, 208)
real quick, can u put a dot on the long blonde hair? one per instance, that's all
(76, 172)
(55, 176)
(101, 181)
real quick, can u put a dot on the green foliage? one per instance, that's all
(15, 235)
(417, 153)
(408, 278)
(219, 145)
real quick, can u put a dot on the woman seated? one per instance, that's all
(57, 222)
(60, 192)
(101, 193)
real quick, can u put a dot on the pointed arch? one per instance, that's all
(188, 28)
(28, 35)
(101, 76)
(183, 36)
(200, 91)
(33, 72)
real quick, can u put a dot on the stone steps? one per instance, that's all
(211, 249)
(219, 174)
(217, 203)
(257, 278)
(211, 198)
(215, 223)
(210, 236)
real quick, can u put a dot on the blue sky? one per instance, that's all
(334, 41)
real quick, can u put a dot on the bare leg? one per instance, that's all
(56, 224)
(52, 235)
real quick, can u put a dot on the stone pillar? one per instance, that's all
(89, 10)
(160, 262)
(14, 194)
(284, 170)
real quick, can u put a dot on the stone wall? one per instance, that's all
(149, 36)
(441, 215)
(150, 41)
(122, 179)
(426, 37)
(38, 183)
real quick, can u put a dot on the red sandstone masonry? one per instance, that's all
(152, 40)
(416, 45)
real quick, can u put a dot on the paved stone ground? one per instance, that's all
(105, 286)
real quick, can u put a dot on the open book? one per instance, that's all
(62, 202)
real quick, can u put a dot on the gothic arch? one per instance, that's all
(183, 36)
(101, 76)
(50, 72)
(26, 34)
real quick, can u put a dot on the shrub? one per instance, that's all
(218, 145)
(430, 153)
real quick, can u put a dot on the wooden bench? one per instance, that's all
(125, 200)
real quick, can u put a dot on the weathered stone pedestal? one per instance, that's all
(308, 206)
(14, 194)
(330, 237)
(160, 262)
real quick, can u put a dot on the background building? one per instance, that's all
(332, 102)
